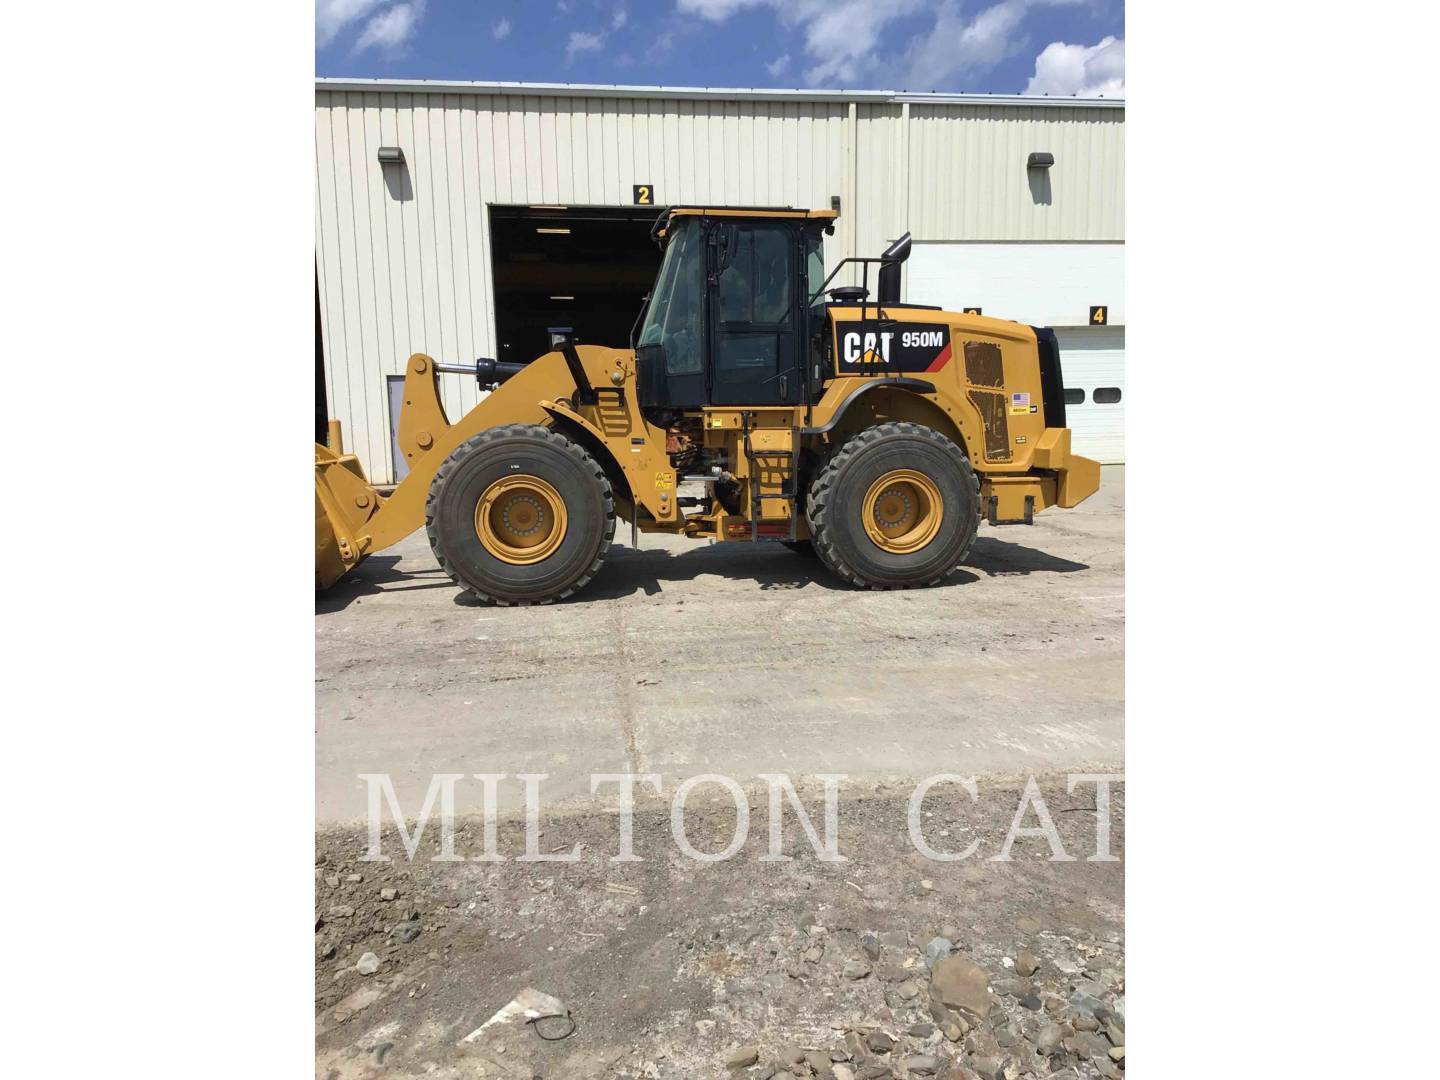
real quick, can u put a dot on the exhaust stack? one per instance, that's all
(888, 288)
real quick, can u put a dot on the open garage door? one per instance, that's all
(587, 267)
(1092, 361)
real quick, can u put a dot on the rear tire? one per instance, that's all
(520, 515)
(929, 491)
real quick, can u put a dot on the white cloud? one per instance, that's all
(501, 30)
(777, 66)
(960, 48)
(716, 10)
(581, 42)
(392, 28)
(620, 18)
(842, 37)
(1080, 70)
(332, 16)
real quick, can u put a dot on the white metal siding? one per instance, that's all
(404, 270)
(968, 179)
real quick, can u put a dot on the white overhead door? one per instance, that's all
(1092, 361)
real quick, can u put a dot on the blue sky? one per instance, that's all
(1059, 47)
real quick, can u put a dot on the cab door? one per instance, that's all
(756, 309)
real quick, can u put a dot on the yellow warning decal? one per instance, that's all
(664, 480)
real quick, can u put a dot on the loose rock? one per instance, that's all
(923, 1064)
(937, 950)
(892, 972)
(856, 969)
(360, 999)
(368, 964)
(1026, 962)
(1049, 1039)
(879, 1042)
(820, 1062)
(742, 1058)
(389, 894)
(406, 931)
(960, 983)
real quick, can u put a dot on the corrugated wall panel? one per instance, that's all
(403, 256)
(968, 179)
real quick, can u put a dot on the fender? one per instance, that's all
(919, 386)
(648, 476)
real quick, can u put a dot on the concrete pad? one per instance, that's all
(684, 657)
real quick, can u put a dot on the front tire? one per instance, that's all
(896, 507)
(520, 515)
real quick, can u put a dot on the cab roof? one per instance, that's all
(662, 222)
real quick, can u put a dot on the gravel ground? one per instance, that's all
(672, 968)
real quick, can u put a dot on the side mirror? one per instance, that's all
(725, 247)
(888, 287)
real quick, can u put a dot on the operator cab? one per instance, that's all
(729, 321)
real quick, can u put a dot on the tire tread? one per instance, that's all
(560, 442)
(820, 504)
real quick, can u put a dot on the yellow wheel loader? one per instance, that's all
(874, 433)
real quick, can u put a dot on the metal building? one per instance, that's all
(461, 219)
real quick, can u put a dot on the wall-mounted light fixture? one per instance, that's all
(390, 155)
(835, 203)
(553, 232)
(1040, 160)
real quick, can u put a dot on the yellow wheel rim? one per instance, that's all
(520, 520)
(902, 511)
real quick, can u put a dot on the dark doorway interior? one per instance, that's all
(322, 408)
(587, 267)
